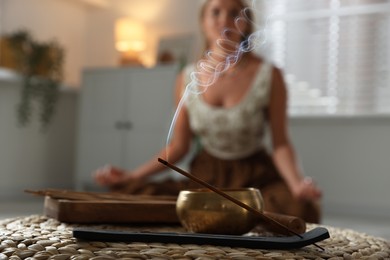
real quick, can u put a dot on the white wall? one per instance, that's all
(87, 32)
(349, 159)
(162, 18)
(64, 21)
(30, 158)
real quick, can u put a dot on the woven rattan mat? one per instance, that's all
(39, 237)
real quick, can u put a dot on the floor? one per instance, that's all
(377, 227)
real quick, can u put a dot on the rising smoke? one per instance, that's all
(215, 63)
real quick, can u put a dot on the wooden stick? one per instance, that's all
(81, 195)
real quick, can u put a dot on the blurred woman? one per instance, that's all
(228, 120)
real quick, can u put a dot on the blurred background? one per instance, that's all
(335, 55)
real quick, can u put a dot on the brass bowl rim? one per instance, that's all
(204, 193)
(228, 190)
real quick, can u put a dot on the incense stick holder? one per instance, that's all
(203, 211)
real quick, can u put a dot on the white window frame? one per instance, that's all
(321, 104)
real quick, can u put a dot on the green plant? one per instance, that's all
(41, 66)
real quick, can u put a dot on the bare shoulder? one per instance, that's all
(277, 71)
(278, 90)
(277, 78)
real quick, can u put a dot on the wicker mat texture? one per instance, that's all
(39, 237)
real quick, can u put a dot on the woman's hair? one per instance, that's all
(248, 15)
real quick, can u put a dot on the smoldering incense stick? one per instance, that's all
(232, 199)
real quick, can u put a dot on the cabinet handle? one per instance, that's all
(127, 125)
(121, 125)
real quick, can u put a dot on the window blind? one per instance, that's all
(334, 53)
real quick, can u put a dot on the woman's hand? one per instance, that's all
(110, 176)
(306, 189)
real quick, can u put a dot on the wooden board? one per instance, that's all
(111, 211)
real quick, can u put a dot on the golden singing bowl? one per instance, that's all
(203, 211)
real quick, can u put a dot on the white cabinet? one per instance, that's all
(124, 118)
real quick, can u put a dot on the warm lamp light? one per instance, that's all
(129, 40)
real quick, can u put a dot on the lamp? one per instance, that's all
(130, 40)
